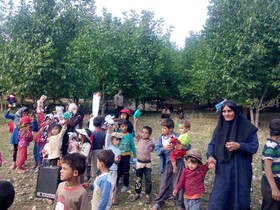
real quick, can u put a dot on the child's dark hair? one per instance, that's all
(106, 157)
(186, 124)
(122, 122)
(57, 126)
(274, 127)
(76, 161)
(98, 121)
(85, 139)
(148, 128)
(169, 123)
(7, 194)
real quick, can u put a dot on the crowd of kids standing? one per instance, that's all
(99, 159)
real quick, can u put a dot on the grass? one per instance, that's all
(202, 126)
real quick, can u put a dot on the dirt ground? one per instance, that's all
(202, 125)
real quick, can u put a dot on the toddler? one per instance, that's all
(192, 180)
(184, 139)
(40, 104)
(58, 113)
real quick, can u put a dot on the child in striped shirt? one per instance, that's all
(270, 185)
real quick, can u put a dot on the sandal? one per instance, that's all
(148, 200)
(155, 207)
(134, 197)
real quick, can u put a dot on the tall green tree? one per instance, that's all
(241, 43)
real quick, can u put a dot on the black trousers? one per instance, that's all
(123, 170)
(148, 180)
(15, 150)
(268, 203)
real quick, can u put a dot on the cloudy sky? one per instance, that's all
(184, 15)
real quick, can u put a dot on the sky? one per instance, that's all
(184, 15)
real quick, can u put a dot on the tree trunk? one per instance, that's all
(21, 100)
(76, 100)
(2, 105)
(252, 116)
(258, 108)
(144, 105)
(103, 104)
(257, 115)
(136, 103)
(157, 105)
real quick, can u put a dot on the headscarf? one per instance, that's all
(19, 114)
(238, 130)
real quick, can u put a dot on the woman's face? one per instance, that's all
(74, 111)
(228, 114)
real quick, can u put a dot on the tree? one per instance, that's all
(241, 55)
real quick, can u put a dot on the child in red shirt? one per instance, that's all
(192, 179)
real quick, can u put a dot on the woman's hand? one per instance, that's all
(232, 146)
(211, 162)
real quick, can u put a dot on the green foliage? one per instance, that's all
(67, 51)
(237, 55)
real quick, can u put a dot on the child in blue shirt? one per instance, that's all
(114, 146)
(103, 186)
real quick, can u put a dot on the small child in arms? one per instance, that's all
(184, 139)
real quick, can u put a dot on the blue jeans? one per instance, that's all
(192, 204)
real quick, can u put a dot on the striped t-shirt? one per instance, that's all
(271, 151)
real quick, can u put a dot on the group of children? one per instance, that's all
(110, 160)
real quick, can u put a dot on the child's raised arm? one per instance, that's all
(136, 134)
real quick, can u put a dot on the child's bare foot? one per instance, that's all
(148, 199)
(13, 166)
(20, 171)
(134, 197)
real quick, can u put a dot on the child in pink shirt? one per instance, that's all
(25, 137)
